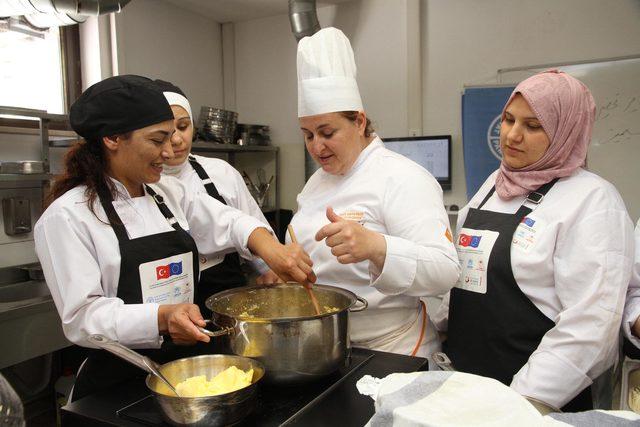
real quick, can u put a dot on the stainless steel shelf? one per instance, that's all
(212, 147)
(8, 177)
(28, 112)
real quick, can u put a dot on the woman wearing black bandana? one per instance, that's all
(119, 245)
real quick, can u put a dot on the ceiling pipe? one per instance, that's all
(303, 18)
(49, 13)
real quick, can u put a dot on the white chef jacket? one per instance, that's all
(632, 305)
(80, 255)
(233, 190)
(394, 196)
(574, 266)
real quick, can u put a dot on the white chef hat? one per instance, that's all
(327, 74)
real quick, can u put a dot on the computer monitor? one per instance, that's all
(431, 152)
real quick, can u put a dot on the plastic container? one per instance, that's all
(11, 409)
(630, 379)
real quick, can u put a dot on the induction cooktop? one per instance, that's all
(276, 405)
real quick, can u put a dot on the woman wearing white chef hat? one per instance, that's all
(372, 220)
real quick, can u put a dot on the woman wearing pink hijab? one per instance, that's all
(545, 248)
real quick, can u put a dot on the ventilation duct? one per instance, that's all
(51, 13)
(303, 18)
(304, 22)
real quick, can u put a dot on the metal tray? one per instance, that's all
(23, 167)
(630, 379)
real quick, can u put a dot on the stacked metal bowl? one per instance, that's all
(247, 134)
(217, 125)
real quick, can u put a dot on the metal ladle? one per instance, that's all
(133, 357)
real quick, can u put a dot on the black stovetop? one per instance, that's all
(276, 405)
(313, 404)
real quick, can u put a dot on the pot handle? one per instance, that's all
(364, 305)
(122, 352)
(224, 330)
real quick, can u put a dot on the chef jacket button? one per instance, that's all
(203, 260)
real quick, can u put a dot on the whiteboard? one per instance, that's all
(614, 153)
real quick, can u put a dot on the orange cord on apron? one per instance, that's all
(424, 327)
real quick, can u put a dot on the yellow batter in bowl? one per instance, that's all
(231, 379)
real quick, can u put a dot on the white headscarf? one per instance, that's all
(174, 98)
(327, 74)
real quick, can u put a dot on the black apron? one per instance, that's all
(493, 334)
(101, 369)
(227, 274)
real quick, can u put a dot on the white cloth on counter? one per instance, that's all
(80, 255)
(392, 195)
(231, 187)
(448, 399)
(456, 399)
(574, 266)
(632, 304)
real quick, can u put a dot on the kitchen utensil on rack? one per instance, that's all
(247, 134)
(262, 178)
(307, 285)
(277, 325)
(260, 191)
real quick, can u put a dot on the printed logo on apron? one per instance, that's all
(525, 236)
(168, 280)
(474, 248)
(352, 215)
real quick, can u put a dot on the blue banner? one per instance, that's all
(481, 108)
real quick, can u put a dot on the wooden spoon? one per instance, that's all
(306, 283)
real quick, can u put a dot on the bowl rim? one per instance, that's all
(209, 302)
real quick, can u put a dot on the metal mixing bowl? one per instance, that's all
(220, 410)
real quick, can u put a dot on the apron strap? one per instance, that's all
(113, 217)
(166, 212)
(206, 180)
(534, 197)
(489, 194)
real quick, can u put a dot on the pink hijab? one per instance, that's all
(566, 110)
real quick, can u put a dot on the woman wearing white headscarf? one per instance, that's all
(545, 248)
(221, 181)
(372, 220)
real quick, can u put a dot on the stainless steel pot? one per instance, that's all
(221, 410)
(277, 325)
